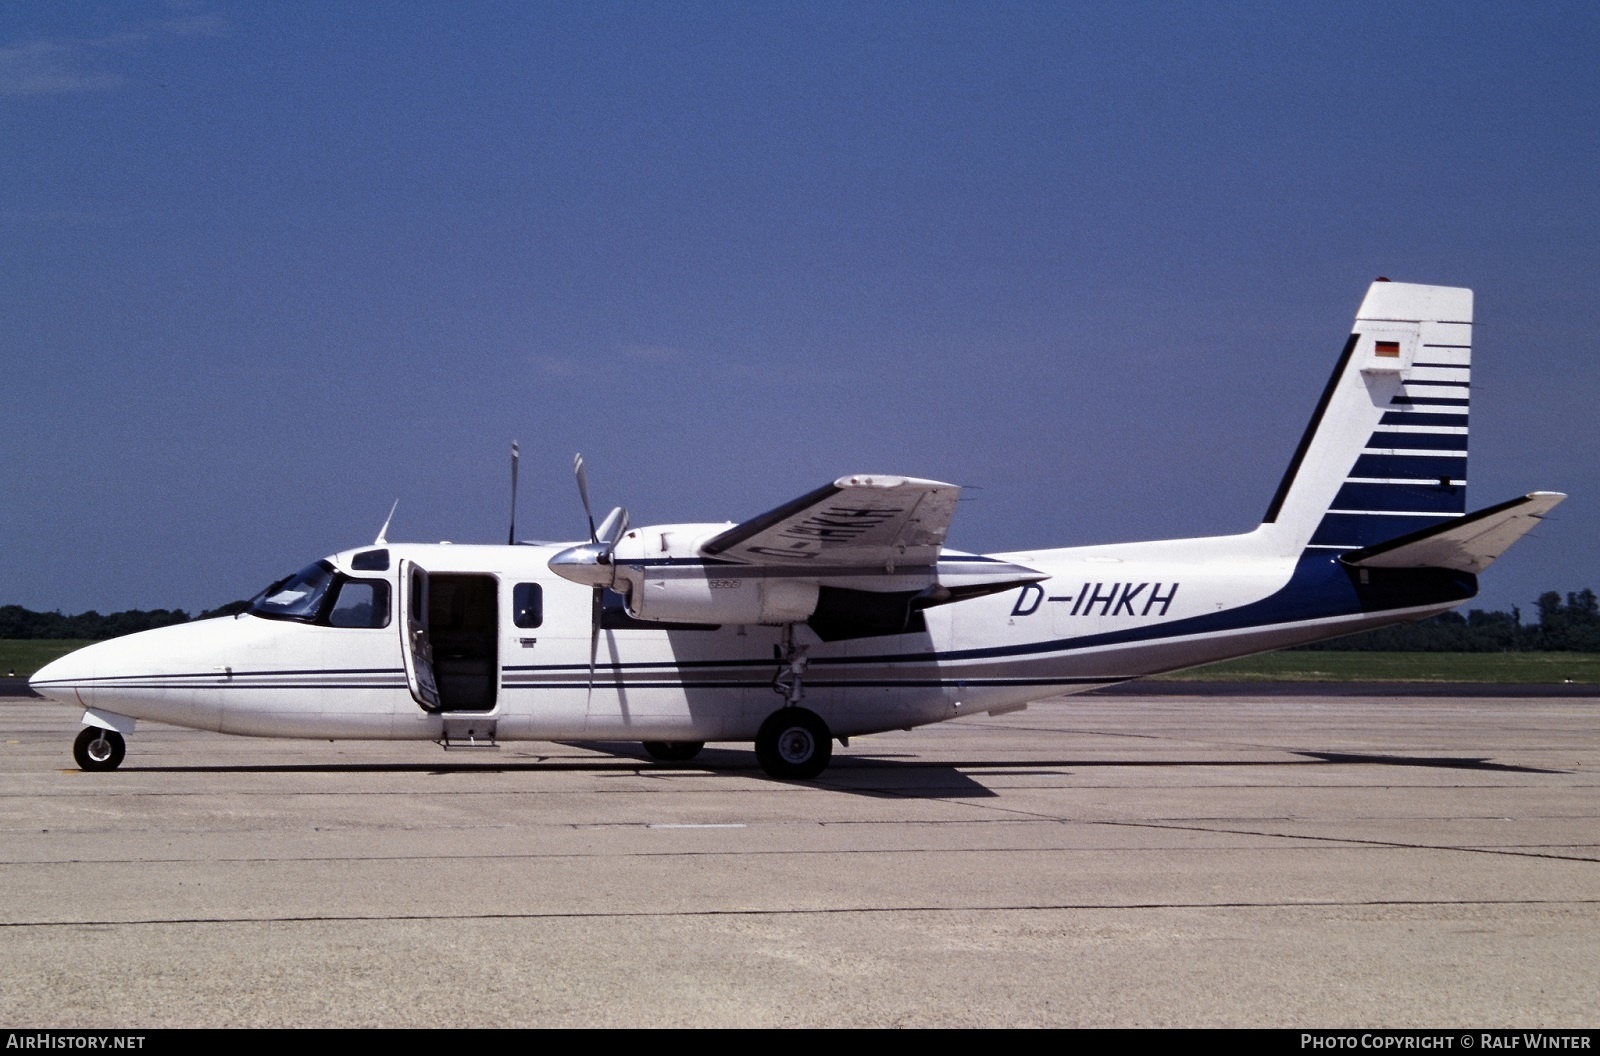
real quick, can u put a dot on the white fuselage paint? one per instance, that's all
(1351, 540)
(279, 678)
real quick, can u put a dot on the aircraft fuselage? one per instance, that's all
(1103, 615)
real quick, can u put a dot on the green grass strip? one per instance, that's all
(1318, 666)
(24, 656)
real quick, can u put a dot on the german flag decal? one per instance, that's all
(1388, 348)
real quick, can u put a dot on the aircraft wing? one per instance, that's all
(860, 521)
(1467, 544)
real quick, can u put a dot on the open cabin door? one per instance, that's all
(415, 647)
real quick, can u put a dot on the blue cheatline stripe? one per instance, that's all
(238, 676)
(1410, 467)
(1320, 589)
(955, 680)
(1367, 529)
(1419, 441)
(1417, 498)
(1423, 418)
(1430, 401)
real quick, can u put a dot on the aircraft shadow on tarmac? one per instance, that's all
(894, 776)
(1446, 761)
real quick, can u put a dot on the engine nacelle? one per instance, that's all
(666, 577)
(700, 595)
(660, 571)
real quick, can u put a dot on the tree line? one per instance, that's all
(1566, 625)
(1570, 625)
(18, 622)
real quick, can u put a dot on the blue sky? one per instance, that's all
(266, 268)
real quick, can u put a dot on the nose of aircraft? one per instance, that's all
(107, 671)
(69, 678)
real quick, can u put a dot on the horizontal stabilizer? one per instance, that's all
(1467, 544)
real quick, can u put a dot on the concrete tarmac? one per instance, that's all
(1302, 861)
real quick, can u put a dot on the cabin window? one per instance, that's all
(527, 605)
(360, 603)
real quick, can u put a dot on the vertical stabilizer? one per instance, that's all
(1386, 452)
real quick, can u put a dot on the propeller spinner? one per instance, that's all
(590, 563)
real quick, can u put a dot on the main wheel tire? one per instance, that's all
(99, 749)
(794, 743)
(673, 751)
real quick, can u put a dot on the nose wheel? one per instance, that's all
(99, 749)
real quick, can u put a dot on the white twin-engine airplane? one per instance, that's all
(841, 613)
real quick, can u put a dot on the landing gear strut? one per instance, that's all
(99, 749)
(793, 742)
(792, 670)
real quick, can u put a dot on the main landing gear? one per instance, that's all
(793, 742)
(99, 749)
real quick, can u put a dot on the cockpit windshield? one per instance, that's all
(318, 594)
(297, 598)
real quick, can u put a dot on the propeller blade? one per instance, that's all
(612, 527)
(511, 536)
(583, 493)
(594, 633)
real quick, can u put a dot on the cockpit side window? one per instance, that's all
(360, 603)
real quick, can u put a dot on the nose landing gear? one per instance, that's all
(99, 749)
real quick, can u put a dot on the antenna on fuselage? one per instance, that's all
(384, 531)
(511, 536)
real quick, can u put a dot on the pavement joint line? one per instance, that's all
(634, 855)
(1357, 841)
(1062, 907)
(1270, 835)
